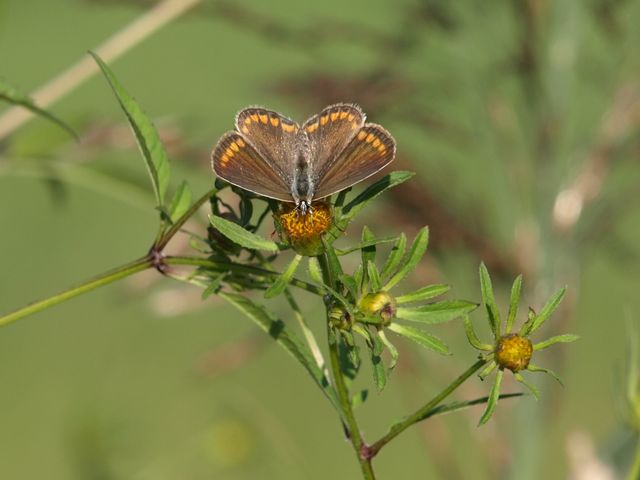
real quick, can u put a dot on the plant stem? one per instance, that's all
(96, 282)
(424, 411)
(355, 436)
(634, 472)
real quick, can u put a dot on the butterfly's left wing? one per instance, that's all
(369, 151)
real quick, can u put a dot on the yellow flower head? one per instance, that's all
(513, 352)
(304, 231)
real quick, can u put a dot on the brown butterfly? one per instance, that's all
(273, 156)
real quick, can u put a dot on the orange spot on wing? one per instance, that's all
(254, 117)
(312, 128)
(343, 115)
(224, 159)
(370, 137)
(334, 116)
(240, 143)
(287, 127)
(376, 142)
(245, 129)
(247, 120)
(351, 117)
(324, 119)
(264, 118)
(362, 135)
(228, 152)
(234, 146)
(275, 121)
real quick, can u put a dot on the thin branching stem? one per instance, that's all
(426, 410)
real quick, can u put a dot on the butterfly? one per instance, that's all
(271, 155)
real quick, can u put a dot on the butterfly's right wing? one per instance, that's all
(237, 161)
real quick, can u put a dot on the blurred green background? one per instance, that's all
(521, 120)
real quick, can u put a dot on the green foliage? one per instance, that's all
(11, 94)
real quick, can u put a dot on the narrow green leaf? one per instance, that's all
(548, 309)
(146, 135)
(332, 261)
(359, 398)
(513, 303)
(535, 368)
(376, 348)
(358, 274)
(348, 367)
(350, 284)
(393, 351)
(315, 273)
(489, 300)
(351, 209)
(283, 280)
(213, 286)
(437, 312)
(12, 95)
(526, 326)
(285, 338)
(566, 338)
(493, 399)
(369, 243)
(341, 299)
(181, 202)
(422, 338)
(372, 191)
(368, 254)
(242, 237)
(424, 293)
(374, 276)
(487, 370)
(464, 404)
(472, 337)
(418, 248)
(395, 256)
(532, 388)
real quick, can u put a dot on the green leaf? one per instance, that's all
(566, 338)
(393, 351)
(283, 280)
(242, 237)
(368, 255)
(349, 363)
(374, 276)
(472, 337)
(535, 368)
(369, 243)
(341, 299)
(532, 388)
(464, 404)
(351, 209)
(422, 338)
(147, 137)
(376, 348)
(418, 248)
(181, 202)
(335, 268)
(213, 286)
(12, 95)
(285, 338)
(513, 303)
(437, 312)
(395, 256)
(493, 399)
(424, 293)
(315, 273)
(489, 300)
(487, 370)
(350, 284)
(359, 398)
(548, 310)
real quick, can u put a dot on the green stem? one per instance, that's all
(344, 397)
(634, 472)
(425, 411)
(96, 282)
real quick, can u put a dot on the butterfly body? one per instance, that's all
(273, 156)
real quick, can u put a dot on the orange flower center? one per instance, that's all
(513, 352)
(300, 227)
